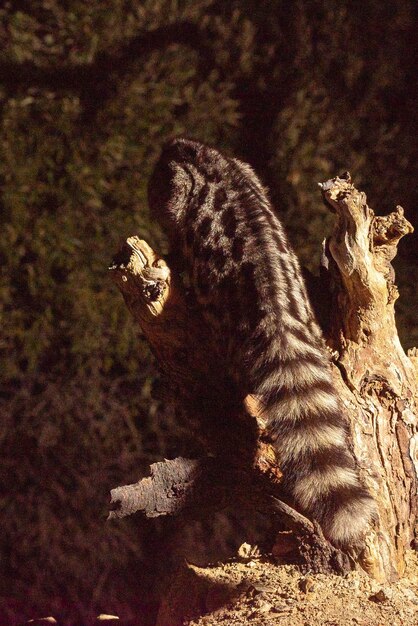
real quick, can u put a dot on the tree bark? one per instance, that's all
(376, 379)
(377, 383)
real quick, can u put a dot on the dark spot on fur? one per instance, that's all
(202, 195)
(205, 253)
(205, 227)
(219, 258)
(192, 211)
(220, 199)
(229, 222)
(213, 176)
(238, 249)
(228, 285)
(248, 273)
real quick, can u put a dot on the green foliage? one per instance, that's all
(301, 90)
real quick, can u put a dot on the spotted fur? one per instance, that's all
(218, 217)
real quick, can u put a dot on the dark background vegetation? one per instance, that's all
(89, 92)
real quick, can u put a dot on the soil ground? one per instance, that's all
(260, 593)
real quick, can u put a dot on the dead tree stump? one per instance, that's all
(376, 379)
(377, 383)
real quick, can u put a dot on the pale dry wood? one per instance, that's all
(376, 379)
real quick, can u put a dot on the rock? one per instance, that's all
(411, 596)
(281, 608)
(247, 552)
(307, 584)
(265, 607)
(380, 597)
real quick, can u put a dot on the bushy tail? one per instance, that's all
(305, 421)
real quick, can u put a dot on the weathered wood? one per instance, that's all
(315, 553)
(165, 492)
(375, 377)
(200, 487)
